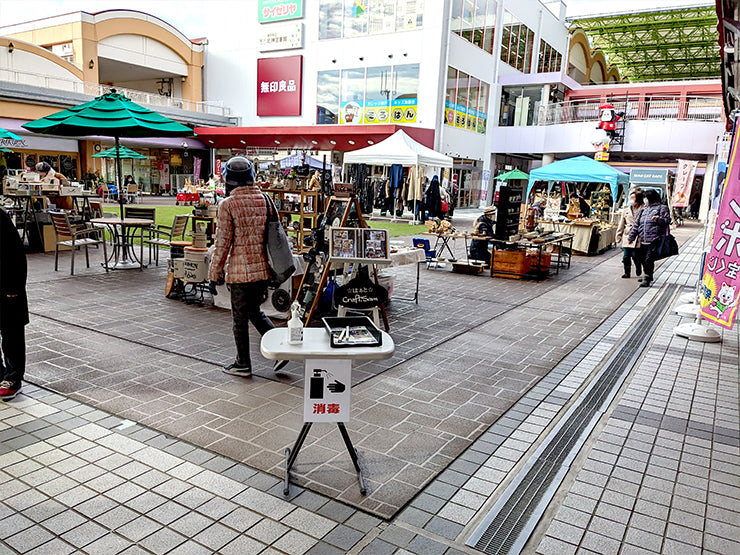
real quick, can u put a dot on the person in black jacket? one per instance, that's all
(484, 227)
(13, 308)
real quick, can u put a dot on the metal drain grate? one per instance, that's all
(510, 522)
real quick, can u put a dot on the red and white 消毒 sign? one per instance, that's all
(279, 86)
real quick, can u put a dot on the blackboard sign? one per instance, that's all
(361, 292)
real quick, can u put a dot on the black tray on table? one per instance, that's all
(335, 325)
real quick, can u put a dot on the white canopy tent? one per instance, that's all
(401, 149)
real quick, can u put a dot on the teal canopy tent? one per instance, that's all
(579, 169)
(111, 114)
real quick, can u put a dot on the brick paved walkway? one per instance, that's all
(147, 446)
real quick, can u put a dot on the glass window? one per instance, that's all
(409, 14)
(451, 96)
(456, 17)
(352, 100)
(330, 19)
(489, 31)
(327, 97)
(355, 18)
(382, 17)
(378, 91)
(468, 10)
(479, 23)
(405, 97)
(517, 44)
(483, 107)
(473, 90)
(461, 116)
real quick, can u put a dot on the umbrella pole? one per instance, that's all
(118, 176)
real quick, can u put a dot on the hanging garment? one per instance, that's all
(433, 203)
(414, 181)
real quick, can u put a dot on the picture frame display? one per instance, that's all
(359, 243)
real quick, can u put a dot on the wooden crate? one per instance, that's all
(510, 264)
(467, 268)
(540, 263)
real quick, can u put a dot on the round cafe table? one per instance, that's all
(123, 231)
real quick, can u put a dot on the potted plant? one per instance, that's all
(201, 209)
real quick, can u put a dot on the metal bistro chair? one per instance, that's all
(162, 235)
(77, 238)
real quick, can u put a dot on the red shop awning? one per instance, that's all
(313, 137)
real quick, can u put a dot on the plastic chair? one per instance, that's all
(77, 238)
(429, 253)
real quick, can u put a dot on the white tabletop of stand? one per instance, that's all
(316, 344)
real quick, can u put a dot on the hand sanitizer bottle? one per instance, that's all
(295, 326)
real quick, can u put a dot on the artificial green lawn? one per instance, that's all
(166, 214)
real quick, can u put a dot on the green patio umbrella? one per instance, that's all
(5, 149)
(511, 175)
(122, 152)
(5, 134)
(111, 114)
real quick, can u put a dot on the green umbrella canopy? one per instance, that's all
(121, 152)
(5, 134)
(5, 149)
(511, 175)
(111, 114)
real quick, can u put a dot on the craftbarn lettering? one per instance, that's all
(267, 87)
(326, 408)
(358, 298)
(282, 10)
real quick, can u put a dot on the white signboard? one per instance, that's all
(326, 393)
(284, 36)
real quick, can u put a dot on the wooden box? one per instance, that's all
(540, 263)
(510, 264)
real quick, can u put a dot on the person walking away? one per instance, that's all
(240, 240)
(651, 224)
(13, 309)
(628, 217)
(483, 227)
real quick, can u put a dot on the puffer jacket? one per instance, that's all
(626, 223)
(647, 229)
(240, 237)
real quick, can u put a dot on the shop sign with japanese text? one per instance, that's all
(326, 396)
(279, 10)
(684, 180)
(285, 36)
(720, 283)
(279, 86)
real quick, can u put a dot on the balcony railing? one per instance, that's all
(215, 108)
(691, 108)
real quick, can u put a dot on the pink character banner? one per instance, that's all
(720, 282)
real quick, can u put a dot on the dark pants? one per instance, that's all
(13, 359)
(246, 299)
(479, 251)
(629, 254)
(648, 260)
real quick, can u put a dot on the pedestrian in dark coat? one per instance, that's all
(650, 226)
(434, 199)
(483, 227)
(13, 308)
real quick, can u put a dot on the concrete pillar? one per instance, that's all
(548, 159)
(707, 188)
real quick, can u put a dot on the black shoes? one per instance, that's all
(236, 369)
(645, 283)
(279, 365)
(625, 275)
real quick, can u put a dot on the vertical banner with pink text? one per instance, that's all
(196, 170)
(720, 281)
(684, 180)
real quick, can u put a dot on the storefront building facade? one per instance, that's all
(58, 62)
(364, 64)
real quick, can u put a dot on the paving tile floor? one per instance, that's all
(80, 475)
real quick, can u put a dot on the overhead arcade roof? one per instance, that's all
(658, 45)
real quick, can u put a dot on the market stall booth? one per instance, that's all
(593, 232)
(400, 150)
